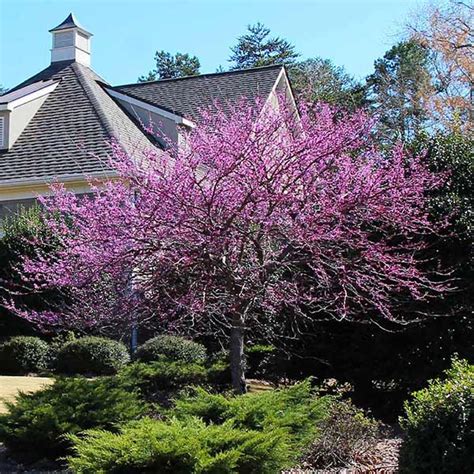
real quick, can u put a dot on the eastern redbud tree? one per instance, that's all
(264, 210)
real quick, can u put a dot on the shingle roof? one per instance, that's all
(188, 95)
(69, 133)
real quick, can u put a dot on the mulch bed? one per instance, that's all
(8, 466)
(382, 458)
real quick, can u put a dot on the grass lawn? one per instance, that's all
(10, 386)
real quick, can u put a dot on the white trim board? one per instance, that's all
(29, 97)
(151, 108)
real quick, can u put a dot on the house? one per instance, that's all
(58, 124)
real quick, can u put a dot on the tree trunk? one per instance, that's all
(237, 358)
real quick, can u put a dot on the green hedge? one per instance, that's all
(92, 355)
(174, 348)
(439, 425)
(23, 354)
(36, 423)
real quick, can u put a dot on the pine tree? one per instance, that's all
(258, 48)
(169, 67)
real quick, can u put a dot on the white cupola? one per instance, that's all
(71, 42)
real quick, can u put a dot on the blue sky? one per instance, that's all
(127, 32)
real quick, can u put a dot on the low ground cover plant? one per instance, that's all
(36, 423)
(179, 446)
(161, 376)
(209, 432)
(297, 410)
(439, 424)
(23, 354)
(92, 355)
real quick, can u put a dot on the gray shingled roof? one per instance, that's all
(69, 133)
(188, 95)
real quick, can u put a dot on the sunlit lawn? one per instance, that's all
(10, 386)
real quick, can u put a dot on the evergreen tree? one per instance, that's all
(258, 48)
(169, 66)
(319, 80)
(398, 90)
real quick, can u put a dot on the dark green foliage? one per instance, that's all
(296, 410)
(452, 153)
(173, 348)
(319, 80)
(261, 361)
(170, 67)
(19, 231)
(257, 48)
(400, 81)
(161, 375)
(218, 370)
(345, 433)
(23, 354)
(402, 359)
(92, 355)
(439, 425)
(36, 423)
(177, 446)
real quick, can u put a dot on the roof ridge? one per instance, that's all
(223, 73)
(91, 96)
(54, 67)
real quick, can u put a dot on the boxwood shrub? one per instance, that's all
(439, 425)
(174, 348)
(23, 354)
(35, 424)
(92, 355)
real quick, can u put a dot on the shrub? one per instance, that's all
(296, 410)
(171, 347)
(261, 360)
(218, 369)
(439, 424)
(161, 376)
(345, 436)
(23, 354)
(36, 423)
(176, 447)
(92, 355)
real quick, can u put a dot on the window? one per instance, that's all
(66, 38)
(2, 132)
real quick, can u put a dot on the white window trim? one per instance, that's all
(2, 132)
